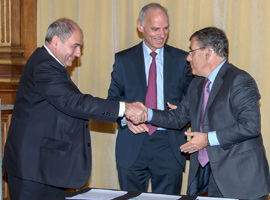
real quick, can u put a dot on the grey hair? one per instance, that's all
(146, 8)
(214, 38)
(63, 28)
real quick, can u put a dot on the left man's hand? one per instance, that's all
(197, 142)
(136, 112)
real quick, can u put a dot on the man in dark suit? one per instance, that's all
(235, 164)
(157, 156)
(48, 148)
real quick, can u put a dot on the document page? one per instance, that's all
(98, 194)
(212, 198)
(151, 196)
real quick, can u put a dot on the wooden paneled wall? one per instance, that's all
(5, 121)
(17, 43)
(18, 40)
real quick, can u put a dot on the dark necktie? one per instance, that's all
(151, 94)
(203, 156)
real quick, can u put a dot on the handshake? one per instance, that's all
(136, 112)
(136, 116)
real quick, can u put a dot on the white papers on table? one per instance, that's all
(212, 198)
(99, 194)
(151, 196)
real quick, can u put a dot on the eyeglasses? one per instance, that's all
(190, 52)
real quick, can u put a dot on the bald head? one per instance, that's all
(62, 28)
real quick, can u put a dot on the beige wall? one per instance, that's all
(110, 26)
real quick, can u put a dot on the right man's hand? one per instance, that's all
(136, 128)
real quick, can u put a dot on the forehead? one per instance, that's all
(156, 16)
(76, 38)
(194, 43)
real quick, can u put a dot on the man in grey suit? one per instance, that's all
(156, 156)
(48, 148)
(225, 131)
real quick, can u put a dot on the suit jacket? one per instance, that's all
(129, 83)
(239, 164)
(48, 139)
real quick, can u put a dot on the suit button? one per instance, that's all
(88, 144)
(107, 113)
(87, 125)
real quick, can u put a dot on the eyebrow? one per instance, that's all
(154, 27)
(77, 44)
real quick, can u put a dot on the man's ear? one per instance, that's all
(139, 26)
(55, 41)
(208, 52)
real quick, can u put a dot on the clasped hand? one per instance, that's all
(136, 112)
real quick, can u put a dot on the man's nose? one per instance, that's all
(77, 52)
(188, 57)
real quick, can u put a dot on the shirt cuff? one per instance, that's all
(123, 121)
(122, 108)
(150, 114)
(212, 138)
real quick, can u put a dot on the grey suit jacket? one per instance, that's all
(48, 139)
(129, 83)
(239, 163)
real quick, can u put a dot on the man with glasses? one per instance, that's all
(227, 156)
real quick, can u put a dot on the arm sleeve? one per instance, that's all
(244, 98)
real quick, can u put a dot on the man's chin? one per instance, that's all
(69, 64)
(160, 45)
(193, 72)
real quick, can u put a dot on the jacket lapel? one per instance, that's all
(216, 86)
(198, 109)
(167, 68)
(138, 63)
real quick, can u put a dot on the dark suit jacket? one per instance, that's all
(239, 164)
(48, 139)
(129, 83)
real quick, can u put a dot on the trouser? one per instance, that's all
(213, 190)
(21, 189)
(156, 161)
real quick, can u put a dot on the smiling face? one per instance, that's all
(155, 29)
(67, 51)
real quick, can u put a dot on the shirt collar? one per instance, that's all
(214, 73)
(52, 54)
(147, 51)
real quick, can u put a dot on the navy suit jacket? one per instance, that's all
(128, 83)
(239, 163)
(48, 139)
